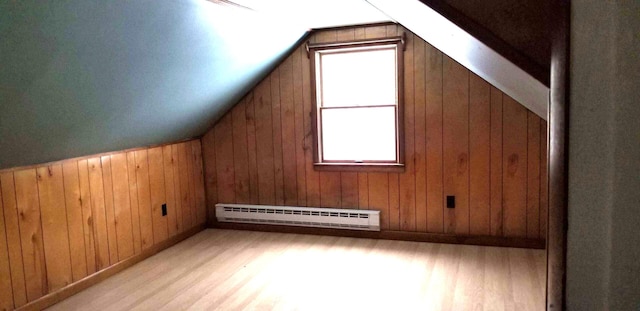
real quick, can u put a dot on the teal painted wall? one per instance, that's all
(81, 77)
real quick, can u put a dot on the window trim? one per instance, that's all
(368, 166)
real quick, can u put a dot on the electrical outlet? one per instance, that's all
(451, 201)
(164, 209)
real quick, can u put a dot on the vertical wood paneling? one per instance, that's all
(330, 189)
(98, 211)
(122, 205)
(289, 167)
(33, 256)
(175, 154)
(144, 199)
(168, 163)
(276, 124)
(62, 222)
(394, 201)
(533, 175)
(479, 156)
(456, 144)
(198, 181)
(211, 180)
(14, 246)
(313, 178)
(544, 182)
(157, 188)
(420, 134)
(453, 126)
(240, 154)
(496, 162)
(224, 162)
(6, 292)
(185, 204)
(252, 155)
(514, 165)
(192, 184)
(55, 232)
(109, 209)
(264, 143)
(87, 216)
(379, 197)
(363, 190)
(349, 190)
(299, 116)
(407, 180)
(433, 77)
(132, 169)
(73, 203)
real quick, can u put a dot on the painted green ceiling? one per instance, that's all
(81, 77)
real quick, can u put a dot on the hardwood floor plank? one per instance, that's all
(248, 270)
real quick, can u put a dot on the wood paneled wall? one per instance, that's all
(463, 137)
(63, 222)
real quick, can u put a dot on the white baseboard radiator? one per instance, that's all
(299, 216)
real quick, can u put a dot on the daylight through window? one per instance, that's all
(358, 103)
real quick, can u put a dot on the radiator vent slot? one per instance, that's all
(299, 216)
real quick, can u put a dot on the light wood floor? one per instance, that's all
(243, 270)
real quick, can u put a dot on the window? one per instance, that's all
(358, 104)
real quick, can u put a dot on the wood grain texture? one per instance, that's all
(453, 141)
(224, 163)
(264, 143)
(175, 154)
(62, 224)
(14, 242)
(87, 216)
(514, 159)
(198, 182)
(144, 199)
(533, 175)
(456, 144)
(245, 270)
(109, 209)
(479, 156)
(132, 168)
(434, 102)
(35, 271)
(6, 291)
(185, 205)
(420, 140)
(55, 230)
(407, 179)
(276, 123)
(496, 162)
(157, 190)
(122, 205)
(298, 101)
(240, 169)
(73, 203)
(168, 163)
(287, 117)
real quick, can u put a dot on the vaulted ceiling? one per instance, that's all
(82, 77)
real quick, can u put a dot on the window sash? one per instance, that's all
(316, 111)
(321, 135)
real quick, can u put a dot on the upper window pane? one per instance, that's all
(359, 77)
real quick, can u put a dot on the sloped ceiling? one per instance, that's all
(82, 77)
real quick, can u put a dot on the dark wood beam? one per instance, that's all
(493, 41)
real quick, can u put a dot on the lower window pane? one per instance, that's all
(359, 134)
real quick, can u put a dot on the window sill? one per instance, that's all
(360, 167)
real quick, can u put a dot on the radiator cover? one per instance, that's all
(299, 216)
